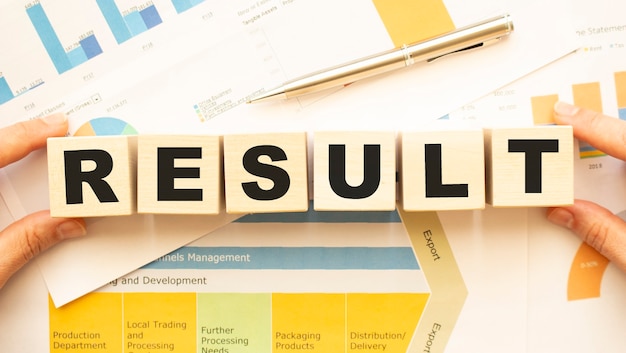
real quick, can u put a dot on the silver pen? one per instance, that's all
(473, 36)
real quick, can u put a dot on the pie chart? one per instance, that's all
(586, 272)
(105, 126)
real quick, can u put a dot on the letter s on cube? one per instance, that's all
(92, 176)
(266, 172)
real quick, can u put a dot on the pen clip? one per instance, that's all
(471, 47)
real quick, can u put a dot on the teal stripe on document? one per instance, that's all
(289, 258)
(312, 216)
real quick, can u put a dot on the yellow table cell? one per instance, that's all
(88, 324)
(380, 322)
(159, 322)
(308, 322)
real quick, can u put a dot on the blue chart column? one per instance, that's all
(126, 24)
(115, 20)
(5, 91)
(83, 49)
(184, 5)
(49, 38)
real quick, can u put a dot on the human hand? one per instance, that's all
(594, 224)
(29, 236)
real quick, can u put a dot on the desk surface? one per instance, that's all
(120, 59)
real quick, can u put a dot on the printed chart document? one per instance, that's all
(575, 295)
(463, 281)
(314, 281)
(575, 291)
(174, 66)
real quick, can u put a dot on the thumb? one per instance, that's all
(27, 237)
(596, 226)
(601, 131)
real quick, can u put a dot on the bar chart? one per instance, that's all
(63, 57)
(128, 23)
(587, 95)
(7, 93)
(184, 5)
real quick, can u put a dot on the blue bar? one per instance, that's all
(91, 46)
(312, 216)
(114, 19)
(77, 56)
(37, 85)
(5, 91)
(135, 23)
(184, 5)
(150, 16)
(585, 147)
(49, 38)
(622, 113)
(181, 5)
(289, 258)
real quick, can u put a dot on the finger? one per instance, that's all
(601, 131)
(24, 239)
(19, 139)
(596, 226)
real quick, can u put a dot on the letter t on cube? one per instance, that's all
(531, 166)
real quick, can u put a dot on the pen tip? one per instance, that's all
(273, 94)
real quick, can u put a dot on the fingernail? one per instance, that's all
(561, 217)
(565, 109)
(71, 229)
(55, 119)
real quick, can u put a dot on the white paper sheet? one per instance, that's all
(192, 73)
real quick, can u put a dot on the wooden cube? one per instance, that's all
(92, 176)
(442, 169)
(354, 171)
(179, 174)
(266, 173)
(531, 166)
